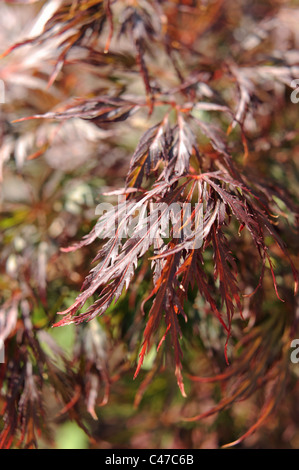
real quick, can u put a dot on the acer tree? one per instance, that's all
(148, 106)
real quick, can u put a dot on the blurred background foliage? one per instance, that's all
(53, 175)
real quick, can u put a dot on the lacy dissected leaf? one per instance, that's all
(98, 110)
(118, 262)
(173, 146)
(166, 300)
(181, 149)
(226, 271)
(151, 149)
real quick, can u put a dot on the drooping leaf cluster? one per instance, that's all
(205, 121)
